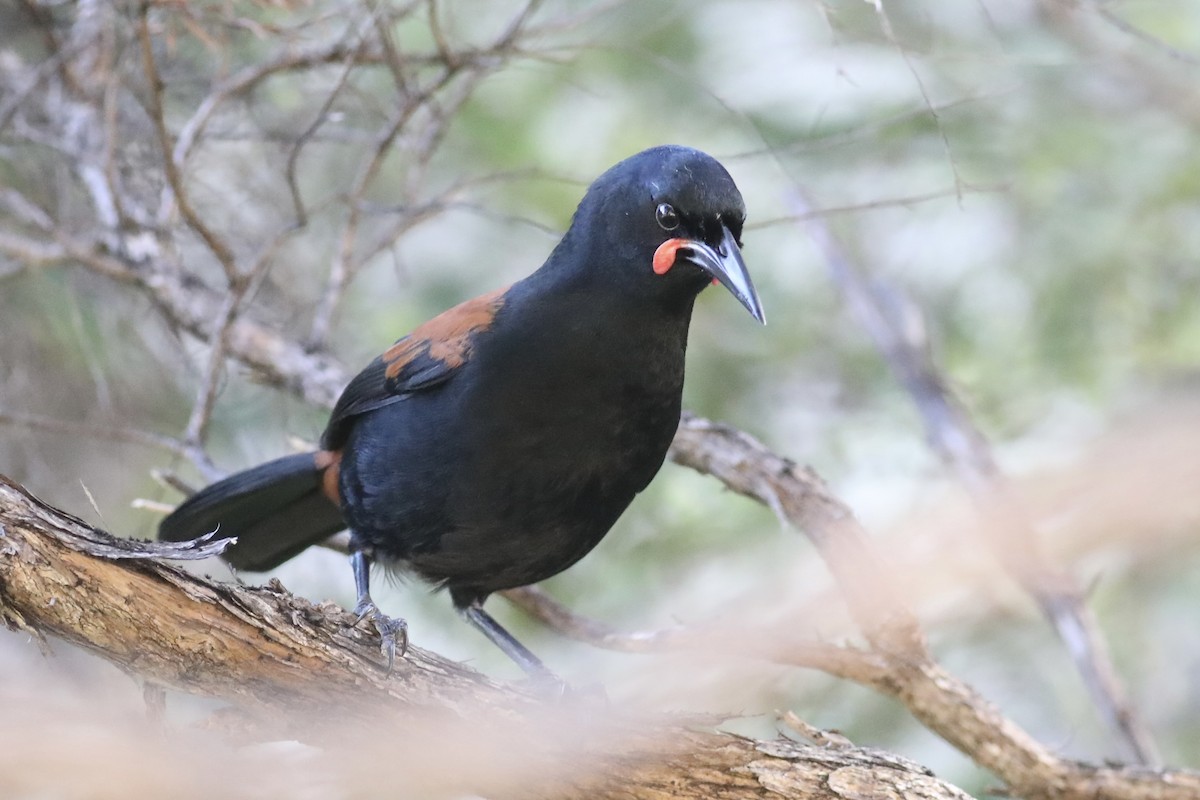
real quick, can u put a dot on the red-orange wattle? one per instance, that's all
(664, 256)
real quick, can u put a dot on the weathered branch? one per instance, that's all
(965, 451)
(260, 646)
(288, 659)
(898, 665)
(799, 496)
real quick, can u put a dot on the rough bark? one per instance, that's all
(899, 662)
(285, 659)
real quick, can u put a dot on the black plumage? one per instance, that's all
(497, 444)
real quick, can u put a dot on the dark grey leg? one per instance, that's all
(389, 628)
(518, 652)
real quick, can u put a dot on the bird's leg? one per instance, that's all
(389, 628)
(518, 652)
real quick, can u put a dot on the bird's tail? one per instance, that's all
(275, 510)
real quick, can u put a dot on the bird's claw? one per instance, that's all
(548, 686)
(586, 694)
(390, 629)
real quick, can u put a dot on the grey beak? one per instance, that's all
(725, 264)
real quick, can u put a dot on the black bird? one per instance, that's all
(496, 444)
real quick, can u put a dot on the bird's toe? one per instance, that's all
(393, 631)
(393, 636)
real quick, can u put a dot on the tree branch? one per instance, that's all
(965, 451)
(290, 660)
(899, 664)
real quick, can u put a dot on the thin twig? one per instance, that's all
(1132, 30)
(965, 451)
(235, 297)
(219, 248)
(906, 201)
(748, 467)
(868, 130)
(348, 67)
(292, 60)
(849, 663)
(885, 23)
(349, 258)
(94, 430)
(1170, 89)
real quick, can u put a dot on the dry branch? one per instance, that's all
(899, 664)
(965, 451)
(260, 646)
(289, 660)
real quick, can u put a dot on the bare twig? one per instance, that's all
(411, 101)
(97, 431)
(216, 244)
(1164, 85)
(219, 343)
(964, 450)
(861, 666)
(206, 394)
(906, 201)
(307, 134)
(344, 265)
(291, 60)
(745, 465)
(885, 23)
(1123, 25)
(866, 130)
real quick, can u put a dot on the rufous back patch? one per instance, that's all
(446, 337)
(329, 464)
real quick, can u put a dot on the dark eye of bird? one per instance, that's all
(668, 218)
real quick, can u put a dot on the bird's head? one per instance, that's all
(673, 217)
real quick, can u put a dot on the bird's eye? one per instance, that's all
(668, 218)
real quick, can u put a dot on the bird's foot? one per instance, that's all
(548, 686)
(587, 693)
(391, 630)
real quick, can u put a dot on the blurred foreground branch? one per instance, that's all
(890, 322)
(292, 663)
(898, 664)
(289, 661)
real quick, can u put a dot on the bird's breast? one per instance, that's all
(580, 412)
(520, 463)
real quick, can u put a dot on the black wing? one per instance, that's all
(426, 358)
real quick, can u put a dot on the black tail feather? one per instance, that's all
(275, 510)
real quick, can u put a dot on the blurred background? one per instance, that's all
(1025, 173)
